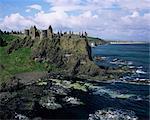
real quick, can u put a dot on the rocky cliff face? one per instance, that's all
(72, 53)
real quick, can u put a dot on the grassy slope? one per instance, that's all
(17, 62)
(8, 38)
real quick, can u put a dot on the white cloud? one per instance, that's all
(135, 14)
(134, 4)
(15, 21)
(110, 19)
(35, 6)
(28, 10)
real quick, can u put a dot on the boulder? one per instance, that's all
(49, 103)
(72, 101)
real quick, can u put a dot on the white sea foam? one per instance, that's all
(140, 67)
(20, 117)
(139, 71)
(140, 98)
(130, 63)
(113, 94)
(131, 66)
(113, 114)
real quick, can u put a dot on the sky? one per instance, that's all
(107, 19)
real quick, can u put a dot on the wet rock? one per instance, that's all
(11, 85)
(20, 117)
(6, 114)
(49, 103)
(59, 90)
(73, 101)
(37, 118)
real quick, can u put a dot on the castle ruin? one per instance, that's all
(33, 32)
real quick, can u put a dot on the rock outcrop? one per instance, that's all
(19, 43)
(67, 51)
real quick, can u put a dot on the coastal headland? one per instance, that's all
(42, 72)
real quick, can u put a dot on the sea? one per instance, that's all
(134, 56)
(119, 96)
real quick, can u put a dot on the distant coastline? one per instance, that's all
(127, 42)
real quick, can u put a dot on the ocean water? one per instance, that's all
(122, 96)
(134, 56)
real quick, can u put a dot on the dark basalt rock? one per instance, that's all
(49, 103)
(28, 101)
(11, 85)
(55, 89)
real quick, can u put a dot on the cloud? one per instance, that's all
(15, 22)
(35, 6)
(109, 19)
(28, 10)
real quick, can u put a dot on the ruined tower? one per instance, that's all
(43, 34)
(32, 32)
(50, 32)
(26, 32)
(85, 34)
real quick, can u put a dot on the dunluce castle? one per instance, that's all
(33, 32)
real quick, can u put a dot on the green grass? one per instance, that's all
(17, 62)
(9, 38)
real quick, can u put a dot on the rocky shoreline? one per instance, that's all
(21, 99)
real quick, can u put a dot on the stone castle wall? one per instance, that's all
(33, 32)
(43, 34)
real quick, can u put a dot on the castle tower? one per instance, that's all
(85, 34)
(43, 34)
(50, 32)
(26, 32)
(32, 32)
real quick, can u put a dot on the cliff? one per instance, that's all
(72, 53)
(65, 53)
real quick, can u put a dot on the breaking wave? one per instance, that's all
(113, 114)
(102, 91)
